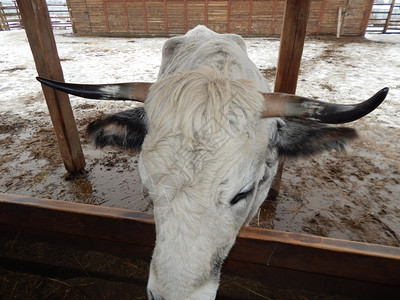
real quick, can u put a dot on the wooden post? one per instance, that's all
(36, 19)
(18, 14)
(321, 15)
(371, 5)
(389, 16)
(339, 22)
(291, 50)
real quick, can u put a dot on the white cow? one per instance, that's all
(210, 144)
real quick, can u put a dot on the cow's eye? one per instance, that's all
(241, 196)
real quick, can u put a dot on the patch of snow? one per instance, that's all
(358, 71)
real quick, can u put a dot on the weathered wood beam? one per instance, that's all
(368, 16)
(280, 259)
(292, 44)
(36, 19)
(290, 53)
(321, 15)
(389, 16)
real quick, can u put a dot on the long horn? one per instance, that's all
(286, 105)
(135, 91)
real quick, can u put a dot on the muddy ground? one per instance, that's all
(353, 195)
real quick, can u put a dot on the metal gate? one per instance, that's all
(385, 17)
(10, 16)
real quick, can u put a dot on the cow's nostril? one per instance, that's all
(150, 295)
(153, 296)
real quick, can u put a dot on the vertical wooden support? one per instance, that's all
(228, 22)
(146, 25)
(250, 23)
(106, 16)
(35, 17)
(185, 15)
(274, 17)
(339, 22)
(165, 17)
(126, 16)
(321, 14)
(206, 13)
(71, 17)
(18, 14)
(389, 16)
(291, 50)
(367, 19)
(292, 44)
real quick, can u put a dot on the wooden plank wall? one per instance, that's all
(274, 258)
(245, 17)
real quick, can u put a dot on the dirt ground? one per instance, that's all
(353, 195)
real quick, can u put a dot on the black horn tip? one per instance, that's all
(383, 92)
(378, 98)
(339, 114)
(41, 79)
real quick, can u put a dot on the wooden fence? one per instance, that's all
(31, 230)
(10, 17)
(245, 17)
(385, 17)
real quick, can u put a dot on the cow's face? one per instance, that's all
(197, 211)
(209, 150)
(202, 160)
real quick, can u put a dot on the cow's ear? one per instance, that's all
(296, 138)
(125, 130)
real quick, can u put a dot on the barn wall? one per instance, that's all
(245, 17)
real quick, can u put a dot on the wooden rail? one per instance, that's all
(10, 16)
(275, 258)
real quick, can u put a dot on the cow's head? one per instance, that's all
(210, 144)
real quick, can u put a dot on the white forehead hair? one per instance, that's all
(195, 122)
(205, 101)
